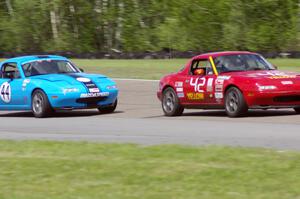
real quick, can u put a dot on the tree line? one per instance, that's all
(149, 25)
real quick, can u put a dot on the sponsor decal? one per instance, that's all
(87, 82)
(83, 79)
(5, 92)
(283, 77)
(219, 85)
(87, 95)
(219, 88)
(195, 96)
(276, 75)
(286, 82)
(209, 87)
(223, 77)
(178, 84)
(218, 95)
(180, 95)
(94, 90)
(24, 84)
(179, 89)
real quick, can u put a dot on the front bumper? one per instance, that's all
(76, 101)
(273, 99)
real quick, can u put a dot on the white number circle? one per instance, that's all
(5, 92)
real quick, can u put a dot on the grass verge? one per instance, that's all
(155, 69)
(61, 170)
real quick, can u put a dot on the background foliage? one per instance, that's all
(148, 25)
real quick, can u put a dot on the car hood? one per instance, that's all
(71, 78)
(280, 79)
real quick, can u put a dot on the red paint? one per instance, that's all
(251, 83)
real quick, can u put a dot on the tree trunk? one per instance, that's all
(9, 7)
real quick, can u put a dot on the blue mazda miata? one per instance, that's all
(47, 83)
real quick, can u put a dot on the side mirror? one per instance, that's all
(199, 71)
(81, 70)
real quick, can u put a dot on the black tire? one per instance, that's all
(108, 109)
(40, 105)
(297, 109)
(170, 103)
(235, 104)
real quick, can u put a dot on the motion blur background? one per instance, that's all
(108, 28)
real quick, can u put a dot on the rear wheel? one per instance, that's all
(170, 103)
(297, 109)
(109, 109)
(40, 104)
(235, 104)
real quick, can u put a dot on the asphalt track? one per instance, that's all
(139, 119)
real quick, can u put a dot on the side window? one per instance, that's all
(10, 71)
(201, 64)
(65, 67)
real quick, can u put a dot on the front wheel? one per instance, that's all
(170, 103)
(40, 104)
(109, 109)
(235, 104)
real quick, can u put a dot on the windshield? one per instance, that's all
(241, 62)
(43, 67)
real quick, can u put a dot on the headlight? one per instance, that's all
(111, 87)
(70, 90)
(269, 87)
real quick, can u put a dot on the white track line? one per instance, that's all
(140, 80)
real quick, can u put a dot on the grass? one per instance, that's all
(155, 68)
(62, 170)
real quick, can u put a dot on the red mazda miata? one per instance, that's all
(234, 81)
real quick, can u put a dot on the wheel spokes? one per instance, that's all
(169, 102)
(37, 103)
(233, 102)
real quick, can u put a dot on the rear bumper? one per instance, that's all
(159, 95)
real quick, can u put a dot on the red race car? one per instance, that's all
(234, 81)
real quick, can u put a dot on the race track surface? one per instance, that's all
(139, 119)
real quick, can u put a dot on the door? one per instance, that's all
(11, 93)
(199, 83)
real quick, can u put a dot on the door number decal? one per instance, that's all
(5, 92)
(198, 84)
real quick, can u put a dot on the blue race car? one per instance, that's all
(47, 83)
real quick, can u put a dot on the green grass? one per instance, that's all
(63, 170)
(154, 69)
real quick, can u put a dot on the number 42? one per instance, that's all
(197, 83)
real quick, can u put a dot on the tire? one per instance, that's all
(108, 109)
(235, 104)
(297, 109)
(40, 105)
(170, 103)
